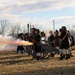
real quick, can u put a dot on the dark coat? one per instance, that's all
(56, 40)
(37, 43)
(20, 47)
(64, 43)
(51, 40)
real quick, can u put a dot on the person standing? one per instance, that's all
(20, 48)
(56, 39)
(51, 42)
(36, 39)
(37, 44)
(64, 44)
(71, 42)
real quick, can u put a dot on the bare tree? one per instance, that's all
(15, 29)
(24, 30)
(4, 27)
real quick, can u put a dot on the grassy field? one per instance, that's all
(14, 64)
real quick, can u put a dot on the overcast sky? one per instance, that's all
(40, 13)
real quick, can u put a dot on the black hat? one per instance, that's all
(63, 28)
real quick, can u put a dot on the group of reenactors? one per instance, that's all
(61, 40)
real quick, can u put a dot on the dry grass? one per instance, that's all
(14, 64)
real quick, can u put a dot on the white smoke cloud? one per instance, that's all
(11, 43)
(4, 45)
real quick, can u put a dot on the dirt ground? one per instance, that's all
(13, 64)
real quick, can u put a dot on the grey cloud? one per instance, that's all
(29, 7)
(36, 5)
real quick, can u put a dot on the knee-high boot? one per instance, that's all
(61, 57)
(38, 57)
(67, 56)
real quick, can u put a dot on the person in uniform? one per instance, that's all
(51, 42)
(71, 42)
(36, 39)
(37, 44)
(64, 44)
(56, 39)
(20, 48)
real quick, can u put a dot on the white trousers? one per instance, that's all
(38, 54)
(64, 51)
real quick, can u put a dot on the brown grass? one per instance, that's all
(14, 64)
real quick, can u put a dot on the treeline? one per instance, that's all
(13, 29)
